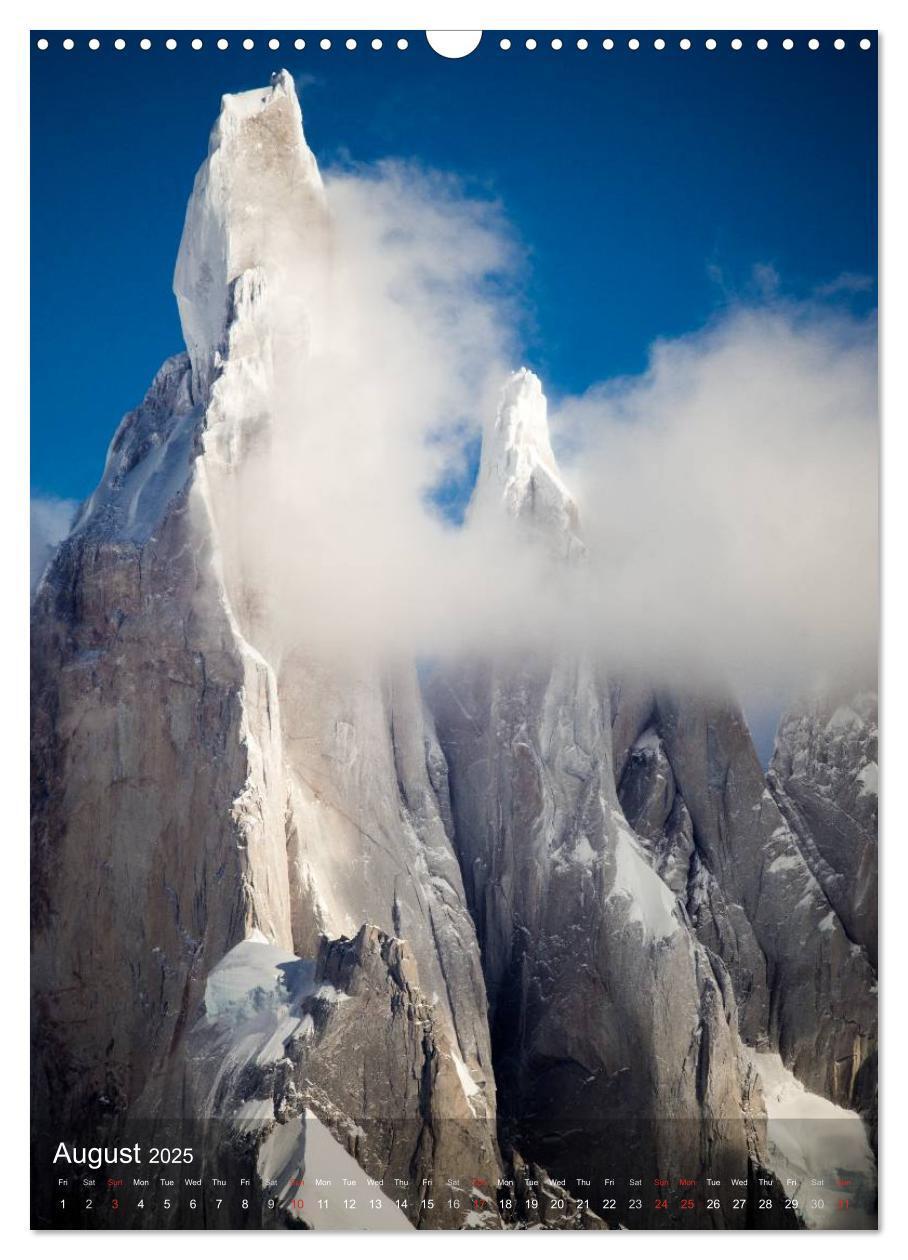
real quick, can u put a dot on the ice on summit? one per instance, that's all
(257, 205)
(518, 471)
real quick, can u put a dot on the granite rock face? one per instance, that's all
(142, 873)
(349, 1042)
(540, 1203)
(614, 1029)
(193, 783)
(636, 888)
(804, 986)
(824, 775)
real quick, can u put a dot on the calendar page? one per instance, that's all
(454, 626)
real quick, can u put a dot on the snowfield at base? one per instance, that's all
(810, 1138)
(307, 1147)
(253, 1001)
(252, 1005)
(253, 977)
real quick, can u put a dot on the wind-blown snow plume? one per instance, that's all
(726, 497)
(335, 515)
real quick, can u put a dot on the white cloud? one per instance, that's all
(50, 521)
(728, 495)
(334, 519)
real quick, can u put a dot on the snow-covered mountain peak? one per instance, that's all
(518, 471)
(239, 105)
(257, 204)
(521, 428)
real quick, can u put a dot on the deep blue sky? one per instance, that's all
(645, 185)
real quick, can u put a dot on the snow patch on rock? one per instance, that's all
(869, 779)
(650, 902)
(468, 1085)
(811, 1139)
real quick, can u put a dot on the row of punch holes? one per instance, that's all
(531, 43)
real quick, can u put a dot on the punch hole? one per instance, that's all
(453, 44)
